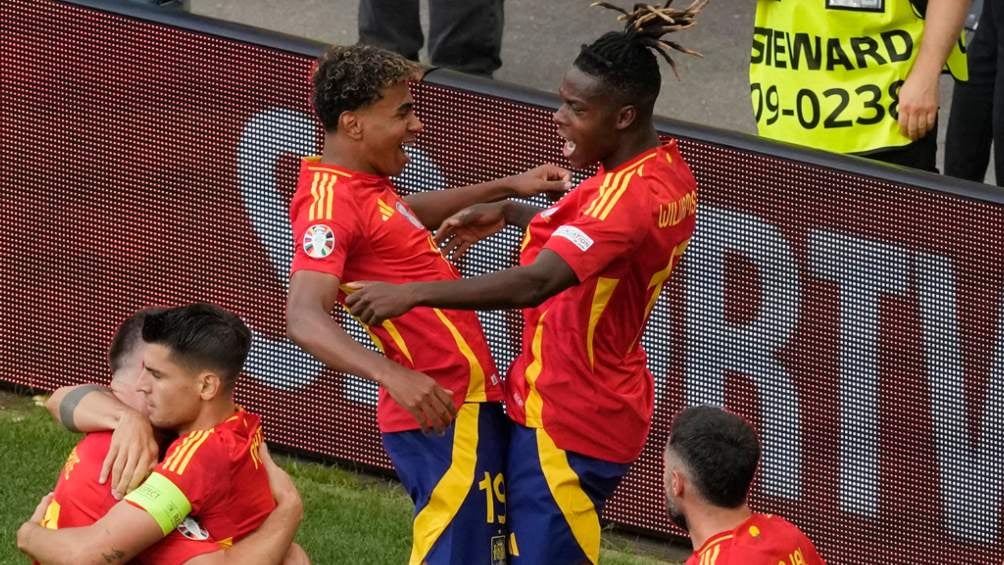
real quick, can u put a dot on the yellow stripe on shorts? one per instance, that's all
(575, 504)
(451, 490)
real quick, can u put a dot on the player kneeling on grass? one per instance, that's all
(710, 461)
(178, 367)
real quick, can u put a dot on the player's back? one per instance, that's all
(763, 539)
(78, 499)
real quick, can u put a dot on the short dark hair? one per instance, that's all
(626, 60)
(202, 336)
(352, 77)
(127, 337)
(719, 449)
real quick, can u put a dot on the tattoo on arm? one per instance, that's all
(113, 556)
(69, 404)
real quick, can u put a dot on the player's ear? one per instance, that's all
(626, 116)
(677, 482)
(210, 385)
(350, 124)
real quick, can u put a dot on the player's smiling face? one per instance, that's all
(388, 125)
(586, 120)
(172, 390)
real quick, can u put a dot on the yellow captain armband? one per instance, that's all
(163, 500)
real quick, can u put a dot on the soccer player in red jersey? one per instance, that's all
(436, 372)
(710, 460)
(591, 269)
(81, 497)
(217, 469)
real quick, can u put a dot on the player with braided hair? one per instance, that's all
(591, 269)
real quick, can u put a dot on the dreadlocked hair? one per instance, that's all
(351, 77)
(626, 59)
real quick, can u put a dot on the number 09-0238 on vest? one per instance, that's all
(827, 73)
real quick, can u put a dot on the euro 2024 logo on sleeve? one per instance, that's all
(318, 241)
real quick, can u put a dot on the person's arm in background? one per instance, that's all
(434, 206)
(90, 408)
(312, 296)
(918, 97)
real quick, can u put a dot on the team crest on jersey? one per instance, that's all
(192, 529)
(407, 214)
(318, 241)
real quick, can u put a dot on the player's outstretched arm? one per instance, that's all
(311, 297)
(434, 206)
(116, 538)
(518, 287)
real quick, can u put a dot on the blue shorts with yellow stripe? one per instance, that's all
(457, 485)
(555, 499)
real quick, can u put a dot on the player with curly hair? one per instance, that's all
(591, 269)
(436, 373)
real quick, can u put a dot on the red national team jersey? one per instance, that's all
(79, 500)
(221, 475)
(582, 374)
(354, 226)
(763, 539)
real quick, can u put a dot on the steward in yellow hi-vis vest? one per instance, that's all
(827, 73)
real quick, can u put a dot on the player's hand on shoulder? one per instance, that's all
(421, 396)
(544, 178)
(132, 454)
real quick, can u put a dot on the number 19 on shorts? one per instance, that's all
(494, 489)
(831, 108)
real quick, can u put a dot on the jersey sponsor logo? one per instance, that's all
(407, 214)
(549, 212)
(576, 236)
(318, 241)
(192, 529)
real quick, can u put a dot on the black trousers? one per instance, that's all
(464, 35)
(977, 116)
(921, 154)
